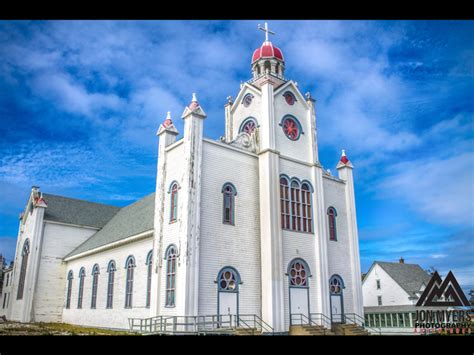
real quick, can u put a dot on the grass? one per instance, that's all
(15, 328)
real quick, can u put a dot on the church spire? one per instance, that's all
(267, 59)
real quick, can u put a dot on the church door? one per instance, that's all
(228, 297)
(299, 292)
(336, 286)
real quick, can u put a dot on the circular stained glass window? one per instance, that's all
(289, 98)
(228, 280)
(249, 127)
(298, 276)
(291, 128)
(247, 100)
(335, 286)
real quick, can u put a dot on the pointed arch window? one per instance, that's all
(95, 282)
(110, 283)
(130, 267)
(173, 190)
(69, 289)
(298, 273)
(336, 285)
(25, 252)
(229, 192)
(285, 203)
(170, 256)
(149, 263)
(82, 275)
(295, 204)
(332, 214)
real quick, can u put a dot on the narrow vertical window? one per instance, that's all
(295, 206)
(24, 264)
(69, 289)
(307, 217)
(130, 267)
(229, 193)
(149, 263)
(95, 281)
(284, 203)
(110, 284)
(174, 202)
(82, 274)
(171, 254)
(332, 223)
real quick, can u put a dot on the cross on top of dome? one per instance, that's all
(266, 30)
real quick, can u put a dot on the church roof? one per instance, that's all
(130, 220)
(409, 276)
(72, 211)
(267, 50)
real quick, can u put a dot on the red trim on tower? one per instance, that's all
(344, 159)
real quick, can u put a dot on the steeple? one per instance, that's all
(267, 59)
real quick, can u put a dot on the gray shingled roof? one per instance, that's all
(73, 211)
(409, 276)
(130, 220)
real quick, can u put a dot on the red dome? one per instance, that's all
(267, 50)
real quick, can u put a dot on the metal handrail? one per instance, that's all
(358, 320)
(324, 319)
(258, 323)
(305, 320)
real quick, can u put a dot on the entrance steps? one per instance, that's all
(349, 329)
(310, 330)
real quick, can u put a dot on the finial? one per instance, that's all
(168, 115)
(230, 100)
(344, 157)
(194, 99)
(266, 30)
(343, 152)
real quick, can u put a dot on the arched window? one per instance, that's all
(285, 203)
(267, 66)
(95, 281)
(82, 275)
(336, 285)
(306, 208)
(248, 125)
(130, 267)
(149, 263)
(170, 255)
(110, 284)
(277, 69)
(332, 214)
(25, 252)
(228, 280)
(229, 193)
(298, 273)
(69, 289)
(174, 201)
(295, 206)
(289, 97)
(8, 279)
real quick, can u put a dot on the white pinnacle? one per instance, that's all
(343, 152)
(168, 115)
(194, 99)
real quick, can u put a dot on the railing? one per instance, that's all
(254, 322)
(199, 324)
(352, 318)
(302, 319)
(321, 319)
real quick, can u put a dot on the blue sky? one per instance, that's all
(80, 103)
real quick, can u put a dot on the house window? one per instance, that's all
(229, 192)
(24, 264)
(82, 274)
(407, 319)
(174, 201)
(149, 263)
(332, 223)
(295, 205)
(69, 289)
(394, 320)
(4, 300)
(130, 267)
(389, 320)
(8, 279)
(110, 284)
(171, 254)
(378, 284)
(95, 281)
(379, 300)
(382, 320)
(401, 322)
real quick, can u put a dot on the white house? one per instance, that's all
(250, 224)
(390, 292)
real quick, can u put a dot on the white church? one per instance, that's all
(245, 231)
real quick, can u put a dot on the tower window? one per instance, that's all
(295, 205)
(24, 264)
(171, 255)
(82, 275)
(110, 284)
(291, 127)
(229, 192)
(247, 100)
(248, 125)
(174, 201)
(69, 289)
(289, 97)
(149, 262)
(332, 223)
